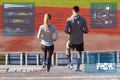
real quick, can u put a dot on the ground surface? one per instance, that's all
(57, 73)
(93, 42)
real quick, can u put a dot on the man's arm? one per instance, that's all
(67, 27)
(85, 27)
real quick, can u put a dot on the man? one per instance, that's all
(75, 27)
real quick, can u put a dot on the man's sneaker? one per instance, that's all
(78, 70)
(70, 66)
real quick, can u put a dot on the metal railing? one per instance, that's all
(36, 58)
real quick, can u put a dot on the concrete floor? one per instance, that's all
(56, 73)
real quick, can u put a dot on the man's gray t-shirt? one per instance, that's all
(76, 26)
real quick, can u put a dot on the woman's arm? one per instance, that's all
(39, 32)
(55, 37)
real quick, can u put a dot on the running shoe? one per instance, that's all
(70, 66)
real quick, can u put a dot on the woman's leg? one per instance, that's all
(44, 49)
(50, 52)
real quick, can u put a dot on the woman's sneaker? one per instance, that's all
(44, 65)
(48, 67)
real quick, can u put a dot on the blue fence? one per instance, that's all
(94, 62)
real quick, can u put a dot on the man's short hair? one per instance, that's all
(76, 8)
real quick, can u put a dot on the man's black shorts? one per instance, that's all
(78, 47)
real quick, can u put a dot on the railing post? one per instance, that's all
(37, 59)
(21, 58)
(54, 59)
(6, 59)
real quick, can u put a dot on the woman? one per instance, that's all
(48, 34)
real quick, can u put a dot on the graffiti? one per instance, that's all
(18, 19)
(103, 15)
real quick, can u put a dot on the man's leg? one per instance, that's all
(79, 48)
(68, 53)
(79, 60)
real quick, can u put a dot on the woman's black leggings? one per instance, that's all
(48, 51)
